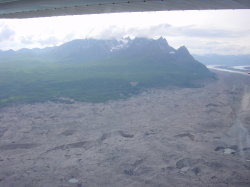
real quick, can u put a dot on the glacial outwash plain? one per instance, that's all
(161, 137)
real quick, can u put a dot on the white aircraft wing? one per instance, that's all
(46, 8)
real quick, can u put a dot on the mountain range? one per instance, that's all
(84, 51)
(226, 60)
(96, 70)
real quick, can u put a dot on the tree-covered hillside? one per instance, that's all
(95, 70)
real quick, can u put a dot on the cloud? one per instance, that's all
(192, 31)
(201, 31)
(49, 41)
(6, 33)
(166, 30)
(27, 40)
(198, 40)
(121, 32)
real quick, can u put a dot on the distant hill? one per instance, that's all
(227, 60)
(96, 70)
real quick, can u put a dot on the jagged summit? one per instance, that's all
(162, 40)
(183, 49)
(115, 45)
(182, 52)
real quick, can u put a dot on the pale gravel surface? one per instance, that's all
(162, 137)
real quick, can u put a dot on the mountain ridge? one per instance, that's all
(228, 60)
(103, 47)
(96, 70)
(85, 50)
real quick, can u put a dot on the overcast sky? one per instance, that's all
(202, 32)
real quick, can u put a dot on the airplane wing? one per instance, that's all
(46, 8)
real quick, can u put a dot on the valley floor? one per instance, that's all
(162, 137)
